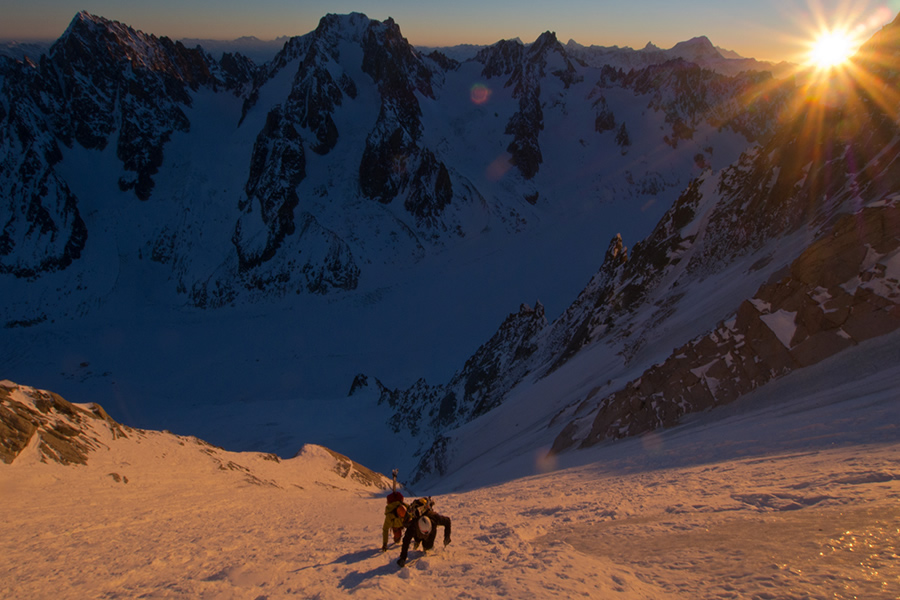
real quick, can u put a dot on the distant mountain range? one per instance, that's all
(695, 50)
(698, 50)
(257, 50)
(143, 178)
(347, 120)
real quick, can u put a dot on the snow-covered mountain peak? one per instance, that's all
(106, 39)
(545, 42)
(349, 27)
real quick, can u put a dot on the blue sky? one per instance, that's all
(765, 29)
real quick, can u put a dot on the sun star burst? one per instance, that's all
(831, 49)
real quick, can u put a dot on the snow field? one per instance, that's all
(655, 518)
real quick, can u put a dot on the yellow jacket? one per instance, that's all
(391, 520)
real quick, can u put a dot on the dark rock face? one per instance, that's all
(606, 120)
(109, 77)
(236, 72)
(478, 387)
(65, 433)
(41, 229)
(101, 80)
(525, 127)
(317, 92)
(525, 68)
(501, 59)
(277, 166)
(394, 162)
(427, 200)
(332, 266)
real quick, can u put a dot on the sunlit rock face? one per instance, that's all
(842, 290)
(59, 430)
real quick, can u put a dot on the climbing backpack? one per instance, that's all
(419, 507)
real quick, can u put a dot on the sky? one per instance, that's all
(764, 29)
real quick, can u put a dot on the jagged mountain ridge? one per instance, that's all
(791, 251)
(337, 137)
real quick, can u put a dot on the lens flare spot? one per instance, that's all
(479, 93)
(497, 169)
(545, 461)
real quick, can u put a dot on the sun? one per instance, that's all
(831, 49)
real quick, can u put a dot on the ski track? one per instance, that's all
(813, 524)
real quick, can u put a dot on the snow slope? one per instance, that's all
(790, 493)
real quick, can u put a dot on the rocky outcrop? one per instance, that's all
(108, 77)
(749, 103)
(394, 162)
(842, 290)
(496, 367)
(101, 81)
(606, 308)
(277, 166)
(61, 431)
(235, 71)
(524, 69)
(41, 227)
(350, 469)
(38, 426)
